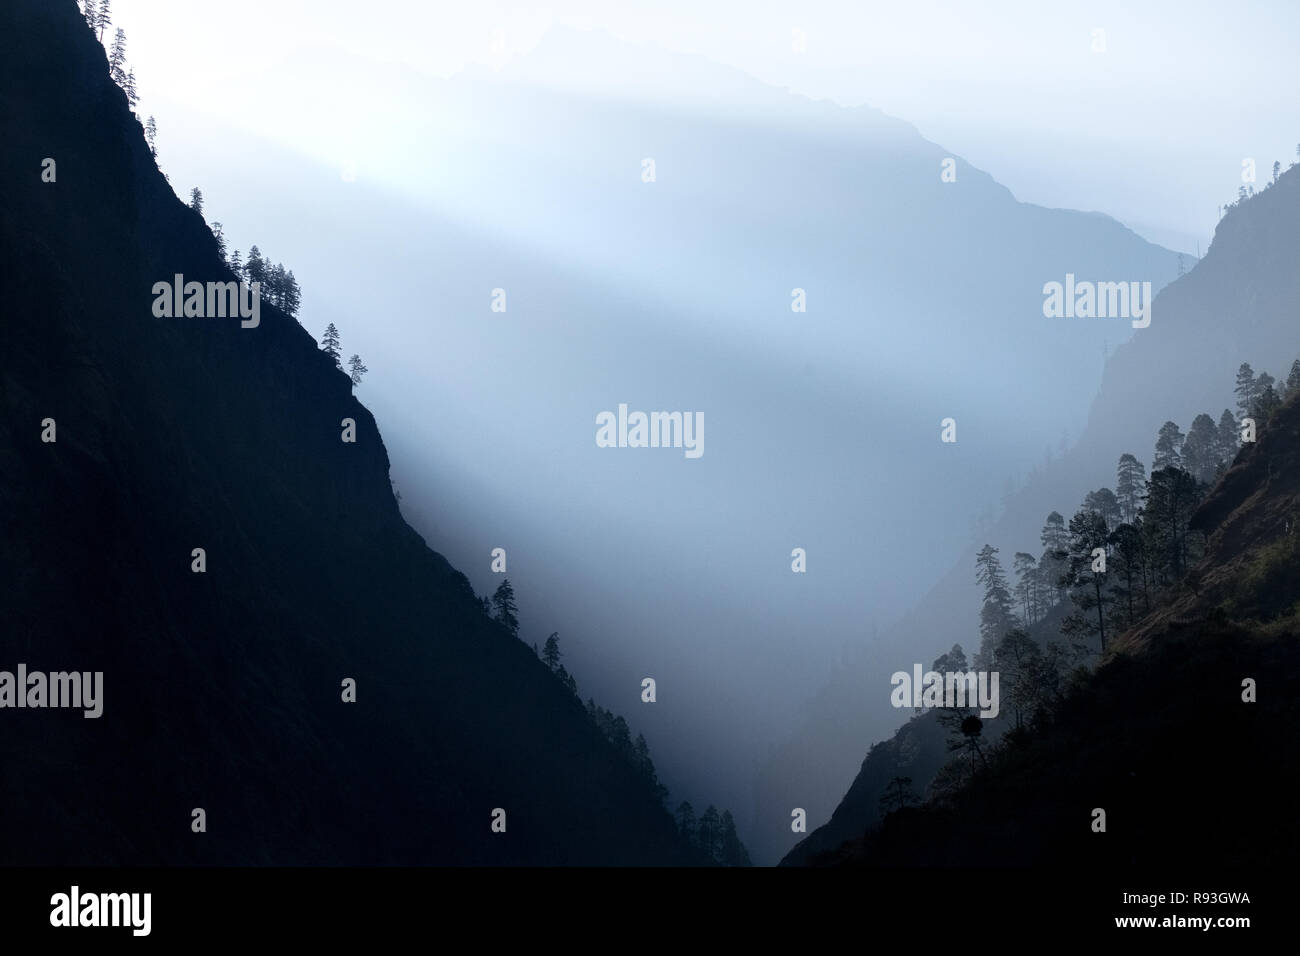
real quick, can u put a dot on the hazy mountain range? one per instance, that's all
(1235, 306)
(924, 301)
(822, 427)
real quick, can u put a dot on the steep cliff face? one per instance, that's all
(222, 689)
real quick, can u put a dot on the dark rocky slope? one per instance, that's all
(1236, 305)
(1159, 736)
(222, 689)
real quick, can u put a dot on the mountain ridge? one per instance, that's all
(1239, 598)
(222, 689)
(1233, 305)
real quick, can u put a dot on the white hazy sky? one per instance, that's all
(1152, 131)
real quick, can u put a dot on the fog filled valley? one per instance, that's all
(676, 295)
(855, 313)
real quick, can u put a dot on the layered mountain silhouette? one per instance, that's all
(222, 689)
(1159, 735)
(823, 426)
(1236, 305)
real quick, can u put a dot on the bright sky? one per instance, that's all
(1153, 130)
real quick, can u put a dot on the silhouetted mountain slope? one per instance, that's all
(676, 292)
(917, 751)
(222, 689)
(1236, 305)
(1159, 736)
(1251, 571)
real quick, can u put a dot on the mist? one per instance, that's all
(405, 193)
